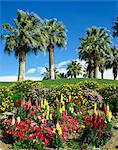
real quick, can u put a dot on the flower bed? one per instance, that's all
(54, 124)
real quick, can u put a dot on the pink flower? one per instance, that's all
(28, 105)
(36, 104)
(39, 117)
(22, 102)
(33, 124)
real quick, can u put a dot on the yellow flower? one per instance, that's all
(80, 96)
(72, 110)
(50, 116)
(2, 108)
(47, 113)
(95, 112)
(60, 131)
(4, 104)
(43, 115)
(61, 98)
(47, 117)
(57, 126)
(54, 131)
(63, 108)
(48, 107)
(41, 103)
(60, 110)
(45, 102)
(95, 106)
(109, 116)
(107, 108)
(63, 103)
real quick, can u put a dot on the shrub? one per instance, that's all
(22, 89)
(6, 102)
(93, 85)
(109, 94)
(66, 90)
(97, 130)
(93, 97)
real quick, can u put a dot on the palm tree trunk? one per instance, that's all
(74, 75)
(51, 62)
(89, 70)
(96, 68)
(21, 71)
(102, 74)
(115, 72)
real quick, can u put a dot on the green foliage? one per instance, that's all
(109, 94)
(28, 144)
(6, 102)
(49, 83)
(57, 142)
(66, 90)
(93, 97)
(93, 85)
(21, 89)
(97, 131)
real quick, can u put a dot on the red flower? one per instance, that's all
(105, 109)
(94, 125)
(17, 103)
(99, 133)
(22, 102)
(102, 122)
(28, 105)
(36, 104)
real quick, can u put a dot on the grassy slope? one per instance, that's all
(48, 83)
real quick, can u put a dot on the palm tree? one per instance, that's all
(25, 37)
(115, 28)
(102, 67)
(74, 69)
(46, 74)
(85, 55)
(112, 61)
(86, 71)
(62, 75)
(56, 36)
(94, 45)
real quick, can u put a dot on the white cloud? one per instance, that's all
(14, 78)
(41, 70)
(62, 70)
(31, 71)
(63, 63)
(8, 78)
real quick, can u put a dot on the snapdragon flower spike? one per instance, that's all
(16, 103)
(28, 105)
(70, 99)
(36, 105)
(22, 102)
(105, 109)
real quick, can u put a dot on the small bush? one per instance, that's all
(93, 97)
(93, 85)
(22, 89)
(110, 95)
(97, 130)
(5, 99)
(66, 90)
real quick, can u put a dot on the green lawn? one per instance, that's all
(48, 83)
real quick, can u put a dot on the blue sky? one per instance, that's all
(76, 16)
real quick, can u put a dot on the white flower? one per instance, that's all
(13, 121)
(18, 119)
